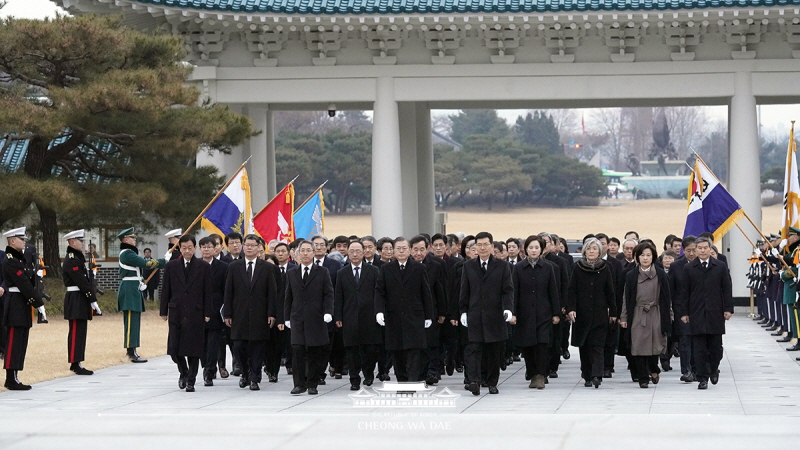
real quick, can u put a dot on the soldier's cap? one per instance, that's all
(793, 230)
(760, 242)
(16, 232)
(128, 232)
(177, 232)
(773, 237)
(77, 234)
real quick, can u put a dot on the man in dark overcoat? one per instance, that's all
(354, 313)
(404, 305)
(214, 327)
(187, 303)
(705, 303)
(486, 301)
(435, 271)
(251, 293)
(308, 308)
(561, 271)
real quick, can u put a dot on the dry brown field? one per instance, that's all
(654, 219)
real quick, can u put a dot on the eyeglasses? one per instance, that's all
(251, 245)
(483, 244)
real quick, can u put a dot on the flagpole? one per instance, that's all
(312, 194)
(200, 216)
(747, 216)
(276, 196)
(787, 186)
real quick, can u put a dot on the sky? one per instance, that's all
(775, 119)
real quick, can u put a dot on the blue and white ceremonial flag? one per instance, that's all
(711, 206)
(309, 219)
(231, 210)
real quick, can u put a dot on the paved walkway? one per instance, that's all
(755, 404)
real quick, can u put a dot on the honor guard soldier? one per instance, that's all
(80, 300)
(129, 299)
(174, 252)
(790, 279)
(20, 302)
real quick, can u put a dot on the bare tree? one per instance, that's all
(567, 121)
(608, 122)
(441, 123)
(688, 126)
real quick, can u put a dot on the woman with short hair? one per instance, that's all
(591, 307)
(646, 314)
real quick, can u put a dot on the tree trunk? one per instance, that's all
(48, 222)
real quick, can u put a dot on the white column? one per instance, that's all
(387, 184)
(257, 169)
(426, 201)
(408, 171)
(269, 134)
(744, 177)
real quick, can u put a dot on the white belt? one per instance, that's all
(73, 289)
(131, 278)
(13, 289)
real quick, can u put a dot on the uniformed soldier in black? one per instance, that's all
(80, 301)
(20, 302)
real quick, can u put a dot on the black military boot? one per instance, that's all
(13, 383)
(79, 369)
(134, 357)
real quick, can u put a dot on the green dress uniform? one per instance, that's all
(790, 288)
(130, 300)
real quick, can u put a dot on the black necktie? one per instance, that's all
(283, 270)
(483, 267)
(305, 274)
(402, 266)
(705, 264)
(250, 271)
(318, 262)
(186, 270)
(358, 277)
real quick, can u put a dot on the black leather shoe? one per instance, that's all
(322, 383)
(288, 371)
(794, 348)
(517, 358)
(587, 383)
(607, 373)
(14, 385)
(460, 369)
(254, 386)
(773, 328)
(368, 382)
(449, 369)
(475, 388)
(243, 382)
(553, 374)
(273, 378)
(237, 371)
(768, 324)
(566, 354)
(596, 381)
(786, 338)
(223, 372)
(702, 385)
(430, 381)
(190, 388)
(312, 391)
(493, 390)
(354, 387)
(644, 385)
(777, 333)
(714, 377)
(527, 376)
(80, 370)
(181, 383)
(208, 382)
(483, 384)
(298, 390)
(666, 367)
(134, 357)
(503, 365)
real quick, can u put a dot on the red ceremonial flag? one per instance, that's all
(275, 221)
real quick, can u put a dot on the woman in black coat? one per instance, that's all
(591, 306)
(537, 309)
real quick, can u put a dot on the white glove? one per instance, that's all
(41, 311)
(327, 318)
(783, 243)
(96, 307)
(168, 255)
(379, 318)
(507, 315)
(428, 323)
(758, 252)
(775, 252)
(288, 324)
(464, 319)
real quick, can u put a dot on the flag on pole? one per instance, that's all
(791, 190)
(711, 206)
(231, 211)
(309, 219)
(275, 220)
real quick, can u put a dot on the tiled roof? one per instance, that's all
(14, 157)
(454, 6)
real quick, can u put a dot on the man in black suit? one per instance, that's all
(354, 312)
(214, 327)
(485, 303)
(187, 302)
(679, 328)
(308, 307)
(336, 353)
(283, 252)
(404, 305)
(233, 242)
(251, 298)
(705, 303)
(371, 256)
(436, 273)
(278, 334)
